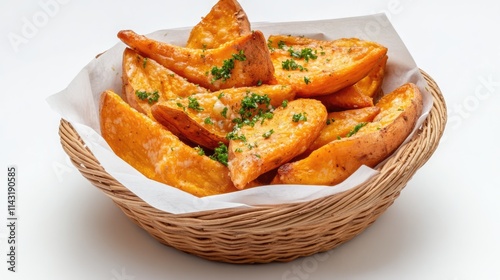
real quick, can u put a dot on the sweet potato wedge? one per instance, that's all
(225, 22)
(340, 124)
(359, 95)
(269, 144)
(146, 82)
(317, 67)
(156, 152)
(207, 118)
(244, 61)
(345, 99)
(371, 85)
(373, 142)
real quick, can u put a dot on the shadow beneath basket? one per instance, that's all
(116, 246)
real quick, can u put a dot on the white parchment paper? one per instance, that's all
(79, 104)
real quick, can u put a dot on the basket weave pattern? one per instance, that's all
(272, 233)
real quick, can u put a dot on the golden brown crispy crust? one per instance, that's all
(274, 142)
(225, 22)
(156, 152)
(338, 63)
(337, 160)
(196, 65)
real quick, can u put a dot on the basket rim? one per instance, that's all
(114, 189)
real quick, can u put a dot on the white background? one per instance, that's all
(444, 226)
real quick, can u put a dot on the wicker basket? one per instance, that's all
(274, 233)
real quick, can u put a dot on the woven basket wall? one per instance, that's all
(272, 233)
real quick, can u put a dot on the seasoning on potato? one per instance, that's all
(232, 110)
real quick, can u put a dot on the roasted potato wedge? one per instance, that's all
(156, 152)
(207, 118)
(373, 142)
(242, 62)
(371, 85)
(317, 67)
(341, 124)
(225, 22)
(345, 99)
(271, 143)
(359, 95)
(146, 82)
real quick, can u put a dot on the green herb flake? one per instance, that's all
(281, 45)
(220, 154)
(330, 121)
(268, 134)
(291, 64)
(299, 117)
(284, 103)
(208, 120)
(199, 150)
(151, 97)
(233, 135)
(223, 73)
(307, 80)
(306, 53)
(224, 112)
(193, 104)
(356, 129)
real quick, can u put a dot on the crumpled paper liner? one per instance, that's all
(79, 104)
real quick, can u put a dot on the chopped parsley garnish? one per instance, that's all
(233, 135)
(200, 150)
(180, 105)
(224, 72)
(268, 134)
(306, 53)
(299, 117)
(144, 62)
(208, 120)
(224, 112)
(284, 103)
(281, 45)
(291, 64)
(356, 129)
(220, 154)
(307, 80)
(240, 56)
(193, 104)
(250, 111)
(329, 121)
(151, 97)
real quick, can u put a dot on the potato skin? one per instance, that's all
(259, 154)
(156, 152)
(337, 160)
